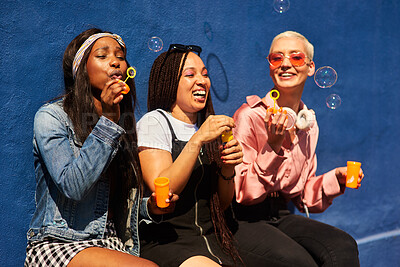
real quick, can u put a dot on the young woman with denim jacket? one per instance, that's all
(86, 163)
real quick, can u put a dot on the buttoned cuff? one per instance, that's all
(144, 211)
(108, 131)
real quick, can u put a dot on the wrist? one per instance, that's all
(196, 141)
(224, 175)
(277, 148)
(341, 177)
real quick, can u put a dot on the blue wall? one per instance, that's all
(359, 39)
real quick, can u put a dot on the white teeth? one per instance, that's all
(286, 74)
(199, 93)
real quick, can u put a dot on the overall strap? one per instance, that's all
(169, 125)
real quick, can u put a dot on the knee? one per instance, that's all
(198, 261)
(342, 250)
(345, 242)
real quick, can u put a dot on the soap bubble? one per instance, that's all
(281, 6)
(325, 77)
(155, 44)
(333, 101)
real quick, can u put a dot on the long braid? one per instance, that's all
(222, 231)
(163, 87)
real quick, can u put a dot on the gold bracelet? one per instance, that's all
(224, 177)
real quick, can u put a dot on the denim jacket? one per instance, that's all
(72, 192)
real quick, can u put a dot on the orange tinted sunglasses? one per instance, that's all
(297, 59)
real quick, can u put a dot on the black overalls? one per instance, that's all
(188, 231)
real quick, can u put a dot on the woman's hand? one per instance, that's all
(110, 98)
(231, 155)
(154, 209)
(213, 127)
(276, 124)
(341, 174)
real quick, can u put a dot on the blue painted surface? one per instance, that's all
(359, 39)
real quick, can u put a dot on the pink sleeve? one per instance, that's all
(319, 191)
(256, 175)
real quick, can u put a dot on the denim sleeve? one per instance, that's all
(74, 176)
(145, 214)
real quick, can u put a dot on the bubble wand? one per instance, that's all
(130, 73)
(274, 98)
(291, 115)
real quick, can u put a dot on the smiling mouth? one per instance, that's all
(286, 75)
(199, 95)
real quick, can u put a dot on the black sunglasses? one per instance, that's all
(184, 48)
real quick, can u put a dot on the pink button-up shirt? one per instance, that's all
(292, 174)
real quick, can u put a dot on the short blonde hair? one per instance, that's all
(292, 34)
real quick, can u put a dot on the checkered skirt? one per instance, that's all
(55, 252)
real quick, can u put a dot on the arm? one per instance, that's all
(255, 177)
(158, 162)
(320, 191)
(74, 176)
(75, 173)
(231, 156)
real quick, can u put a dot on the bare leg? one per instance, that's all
(99, 257)
(198, 261)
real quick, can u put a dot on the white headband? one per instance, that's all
(87, 43)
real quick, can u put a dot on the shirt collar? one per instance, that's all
(254, 100)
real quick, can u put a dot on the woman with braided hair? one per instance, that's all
(179, 138)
